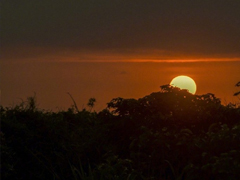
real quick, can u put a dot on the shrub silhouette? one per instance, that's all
(170, 134)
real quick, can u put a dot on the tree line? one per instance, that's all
(170, 134)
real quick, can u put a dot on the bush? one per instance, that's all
(169, 134)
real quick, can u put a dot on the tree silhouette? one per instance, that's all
(169, 134)
(237, 93)
(91, 103)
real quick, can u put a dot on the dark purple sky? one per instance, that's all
(201, 28)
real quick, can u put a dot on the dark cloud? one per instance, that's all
(197, 27)
(123, 72)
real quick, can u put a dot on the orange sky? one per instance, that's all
(116, 48)
(52, 80)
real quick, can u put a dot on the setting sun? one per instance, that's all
(184, 82)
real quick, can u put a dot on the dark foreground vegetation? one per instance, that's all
(169, 134)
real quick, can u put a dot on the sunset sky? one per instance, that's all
(110, 48)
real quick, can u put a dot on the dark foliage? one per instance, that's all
(170, 134)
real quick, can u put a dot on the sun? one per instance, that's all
(184, 82)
